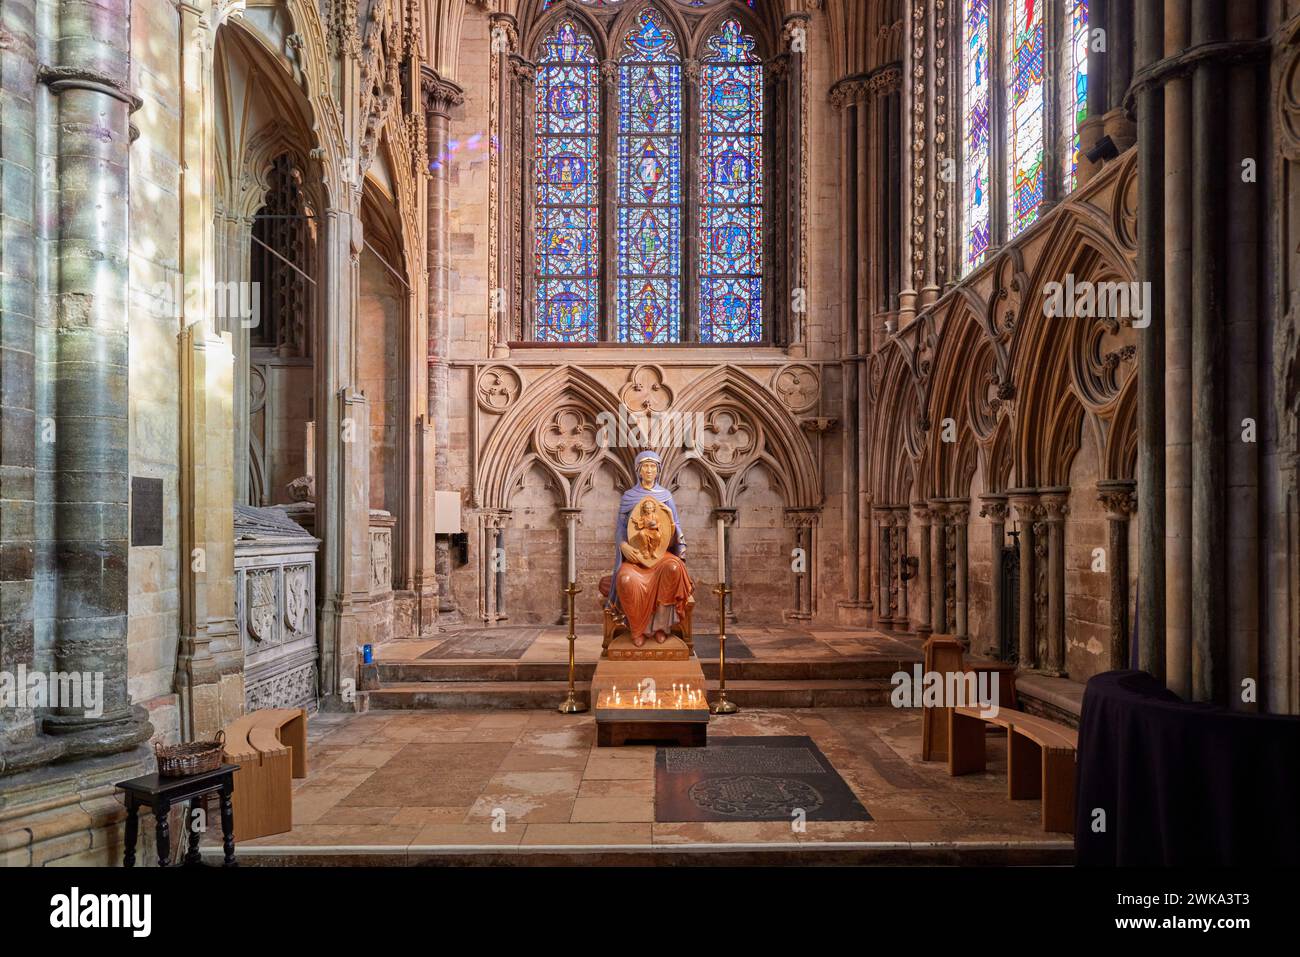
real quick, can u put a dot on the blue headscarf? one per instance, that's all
(628, 502)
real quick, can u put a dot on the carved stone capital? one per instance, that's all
(1119, 498)
(1055, 506)
(802, 517)
(439, 94)
(994, 508)
(1026, 507)
(849, 90)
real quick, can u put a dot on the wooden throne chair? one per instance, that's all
(616, 623)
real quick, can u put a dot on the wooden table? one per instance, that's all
(161, 794)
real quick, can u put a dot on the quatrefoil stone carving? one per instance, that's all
(569, 439)
(726, 438)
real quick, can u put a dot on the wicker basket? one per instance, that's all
(194, 757)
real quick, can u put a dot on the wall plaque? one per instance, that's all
(146, 511)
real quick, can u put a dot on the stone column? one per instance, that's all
(804, 523)
(1174, 383)
(904, 615)
(1119, 72)
(1243, 523)
(1055, 508)
(89, 82)
(960, 517)
(994, 508)
(1209, 159)
(923, 517)
(342, 499)
(21, 744)
(883, 613)
(1155, 177)
(938, 578)
(440, 96)
(1027, 511)
(1119, 500)
(1093, 126)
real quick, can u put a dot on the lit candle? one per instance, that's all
(722, 553)
(573, 550)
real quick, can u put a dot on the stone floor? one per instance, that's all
(776, 643)
(399, 784)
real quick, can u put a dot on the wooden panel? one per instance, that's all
(966, 752)
(1024, 767)
(1058, 790)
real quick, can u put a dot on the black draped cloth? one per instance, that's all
(1183, 783)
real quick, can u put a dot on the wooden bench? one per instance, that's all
(1040, 758)
(270, 747)
(945, 654)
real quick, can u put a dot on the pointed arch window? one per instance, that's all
(567, 153)
(648, 210)
(731, 189)
(649, 229)
(1020, 148)
(976, 87)
(1026, 91)
(1076, 82)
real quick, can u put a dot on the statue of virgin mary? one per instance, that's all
(650, 583)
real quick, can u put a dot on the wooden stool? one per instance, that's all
(161, 794)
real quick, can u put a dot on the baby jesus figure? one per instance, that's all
(643, 544)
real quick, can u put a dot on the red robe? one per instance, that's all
(640, 590)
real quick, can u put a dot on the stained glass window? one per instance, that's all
(1025, 173)
(567, 166)
(649, 191)
(1076, 81)
(976, 166)
(731, 189)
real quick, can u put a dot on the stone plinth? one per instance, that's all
(673, 649)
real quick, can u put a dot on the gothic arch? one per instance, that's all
(780, 441)
(515, 436)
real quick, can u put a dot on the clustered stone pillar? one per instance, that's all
(938, 568)
(994, 508)
(960, 516)
(440, 95)
(1196, 93)
(21, 745)
(1119, 501)
(1152, 349)
(91, 483)
(492, 560)
(884, 613)
(1055, 508)
(804, 522)
(1027, 512)
(901, 565)
(923, 515)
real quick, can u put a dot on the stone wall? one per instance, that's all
(155, 375)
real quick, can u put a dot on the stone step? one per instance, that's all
(468, 695)
(847, 669)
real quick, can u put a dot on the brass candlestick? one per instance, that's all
(571, 704)
(722, 705)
